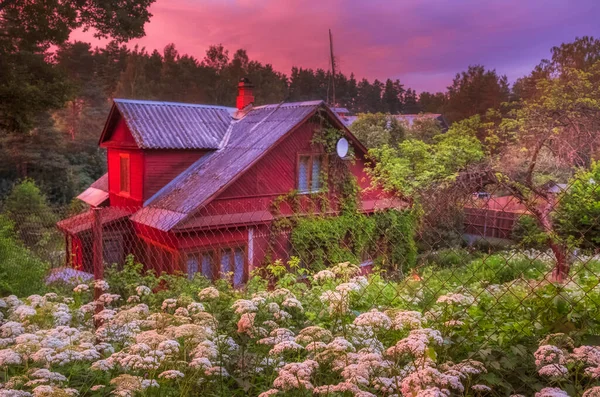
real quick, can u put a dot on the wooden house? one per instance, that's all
(191, 187)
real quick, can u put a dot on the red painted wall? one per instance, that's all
(120, 136)
(275, 175)
(136, 167)
(162, 166)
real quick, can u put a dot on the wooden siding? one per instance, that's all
(120, 136)
(276, 175)
(276, 172)
(136, 169)
(162, 166)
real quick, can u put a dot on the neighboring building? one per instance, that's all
(191, 188)
(408, 119)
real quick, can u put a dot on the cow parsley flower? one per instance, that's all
(102, 285)
(296, 376)
(481, 388)
(456, 299)
(81, 288)
(548, 354)
(284, 346)
(268, 393)
(242, 306)
(169, 304)
(592, 392)
(171, 374)
(551, 392)
(208, 293)
(374, 319)
(553, 371)
(323, 276)
(24, 311)
(408, 320)
(11, 329)
(9, 357)
(142, 290)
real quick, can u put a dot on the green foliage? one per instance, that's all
(378, 129)
(21, 272)
(578, 214)
(528, 233)
(30, 82)
(387, 237)
(424, 129)
(124, 278)
(415, 165)
(33, 218)
(474, 91)
(448, 257)
(323, 241)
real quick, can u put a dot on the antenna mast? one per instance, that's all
(332, 68)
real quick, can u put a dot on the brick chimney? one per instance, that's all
(245, 96)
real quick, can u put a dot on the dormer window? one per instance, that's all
(124, 174)
(309, 173)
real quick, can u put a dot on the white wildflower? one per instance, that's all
(81, 288)
(208, 293)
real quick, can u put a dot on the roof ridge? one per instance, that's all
(290, 104)
(168, 103)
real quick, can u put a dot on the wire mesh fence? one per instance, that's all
(384, 299)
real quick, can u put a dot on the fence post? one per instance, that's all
(97, 253)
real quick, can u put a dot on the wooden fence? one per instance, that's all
(485, 222)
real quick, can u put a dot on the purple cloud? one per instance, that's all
(424, 43)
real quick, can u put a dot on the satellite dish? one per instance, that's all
(342, 147)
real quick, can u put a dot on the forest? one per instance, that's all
(56, 93)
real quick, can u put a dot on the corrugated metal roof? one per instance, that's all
(84, 221)
(97, 193)
(247, 141)
(225, 220)
(172, 125)
(101, 183)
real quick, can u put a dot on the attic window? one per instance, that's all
(124, 174)
(309, 173)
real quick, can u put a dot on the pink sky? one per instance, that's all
(424, 43)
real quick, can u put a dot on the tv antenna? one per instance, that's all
(332, 69)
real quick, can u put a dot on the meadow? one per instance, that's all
(459, 325)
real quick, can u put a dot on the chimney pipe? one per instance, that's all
(245, 96)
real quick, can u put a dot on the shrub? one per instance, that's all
(578, 214)
(448, 257)
(527, 233)
(21, 271)
(387, 237)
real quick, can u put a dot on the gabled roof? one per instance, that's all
(172, 125)
(246, 141)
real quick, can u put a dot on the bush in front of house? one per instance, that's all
(21, 271)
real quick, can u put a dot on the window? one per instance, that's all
(217, 264)
(124, 174)
(233, 260)
(309, 173)
(112, 250)
(203, 262)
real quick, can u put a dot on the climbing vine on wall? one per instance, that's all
(320, 239)
(386, 238)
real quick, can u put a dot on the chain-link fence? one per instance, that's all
(386, 298)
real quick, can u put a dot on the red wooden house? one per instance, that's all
(191, 187)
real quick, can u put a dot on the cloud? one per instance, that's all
(421, 42)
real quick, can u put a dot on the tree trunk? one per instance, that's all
(543, 215)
